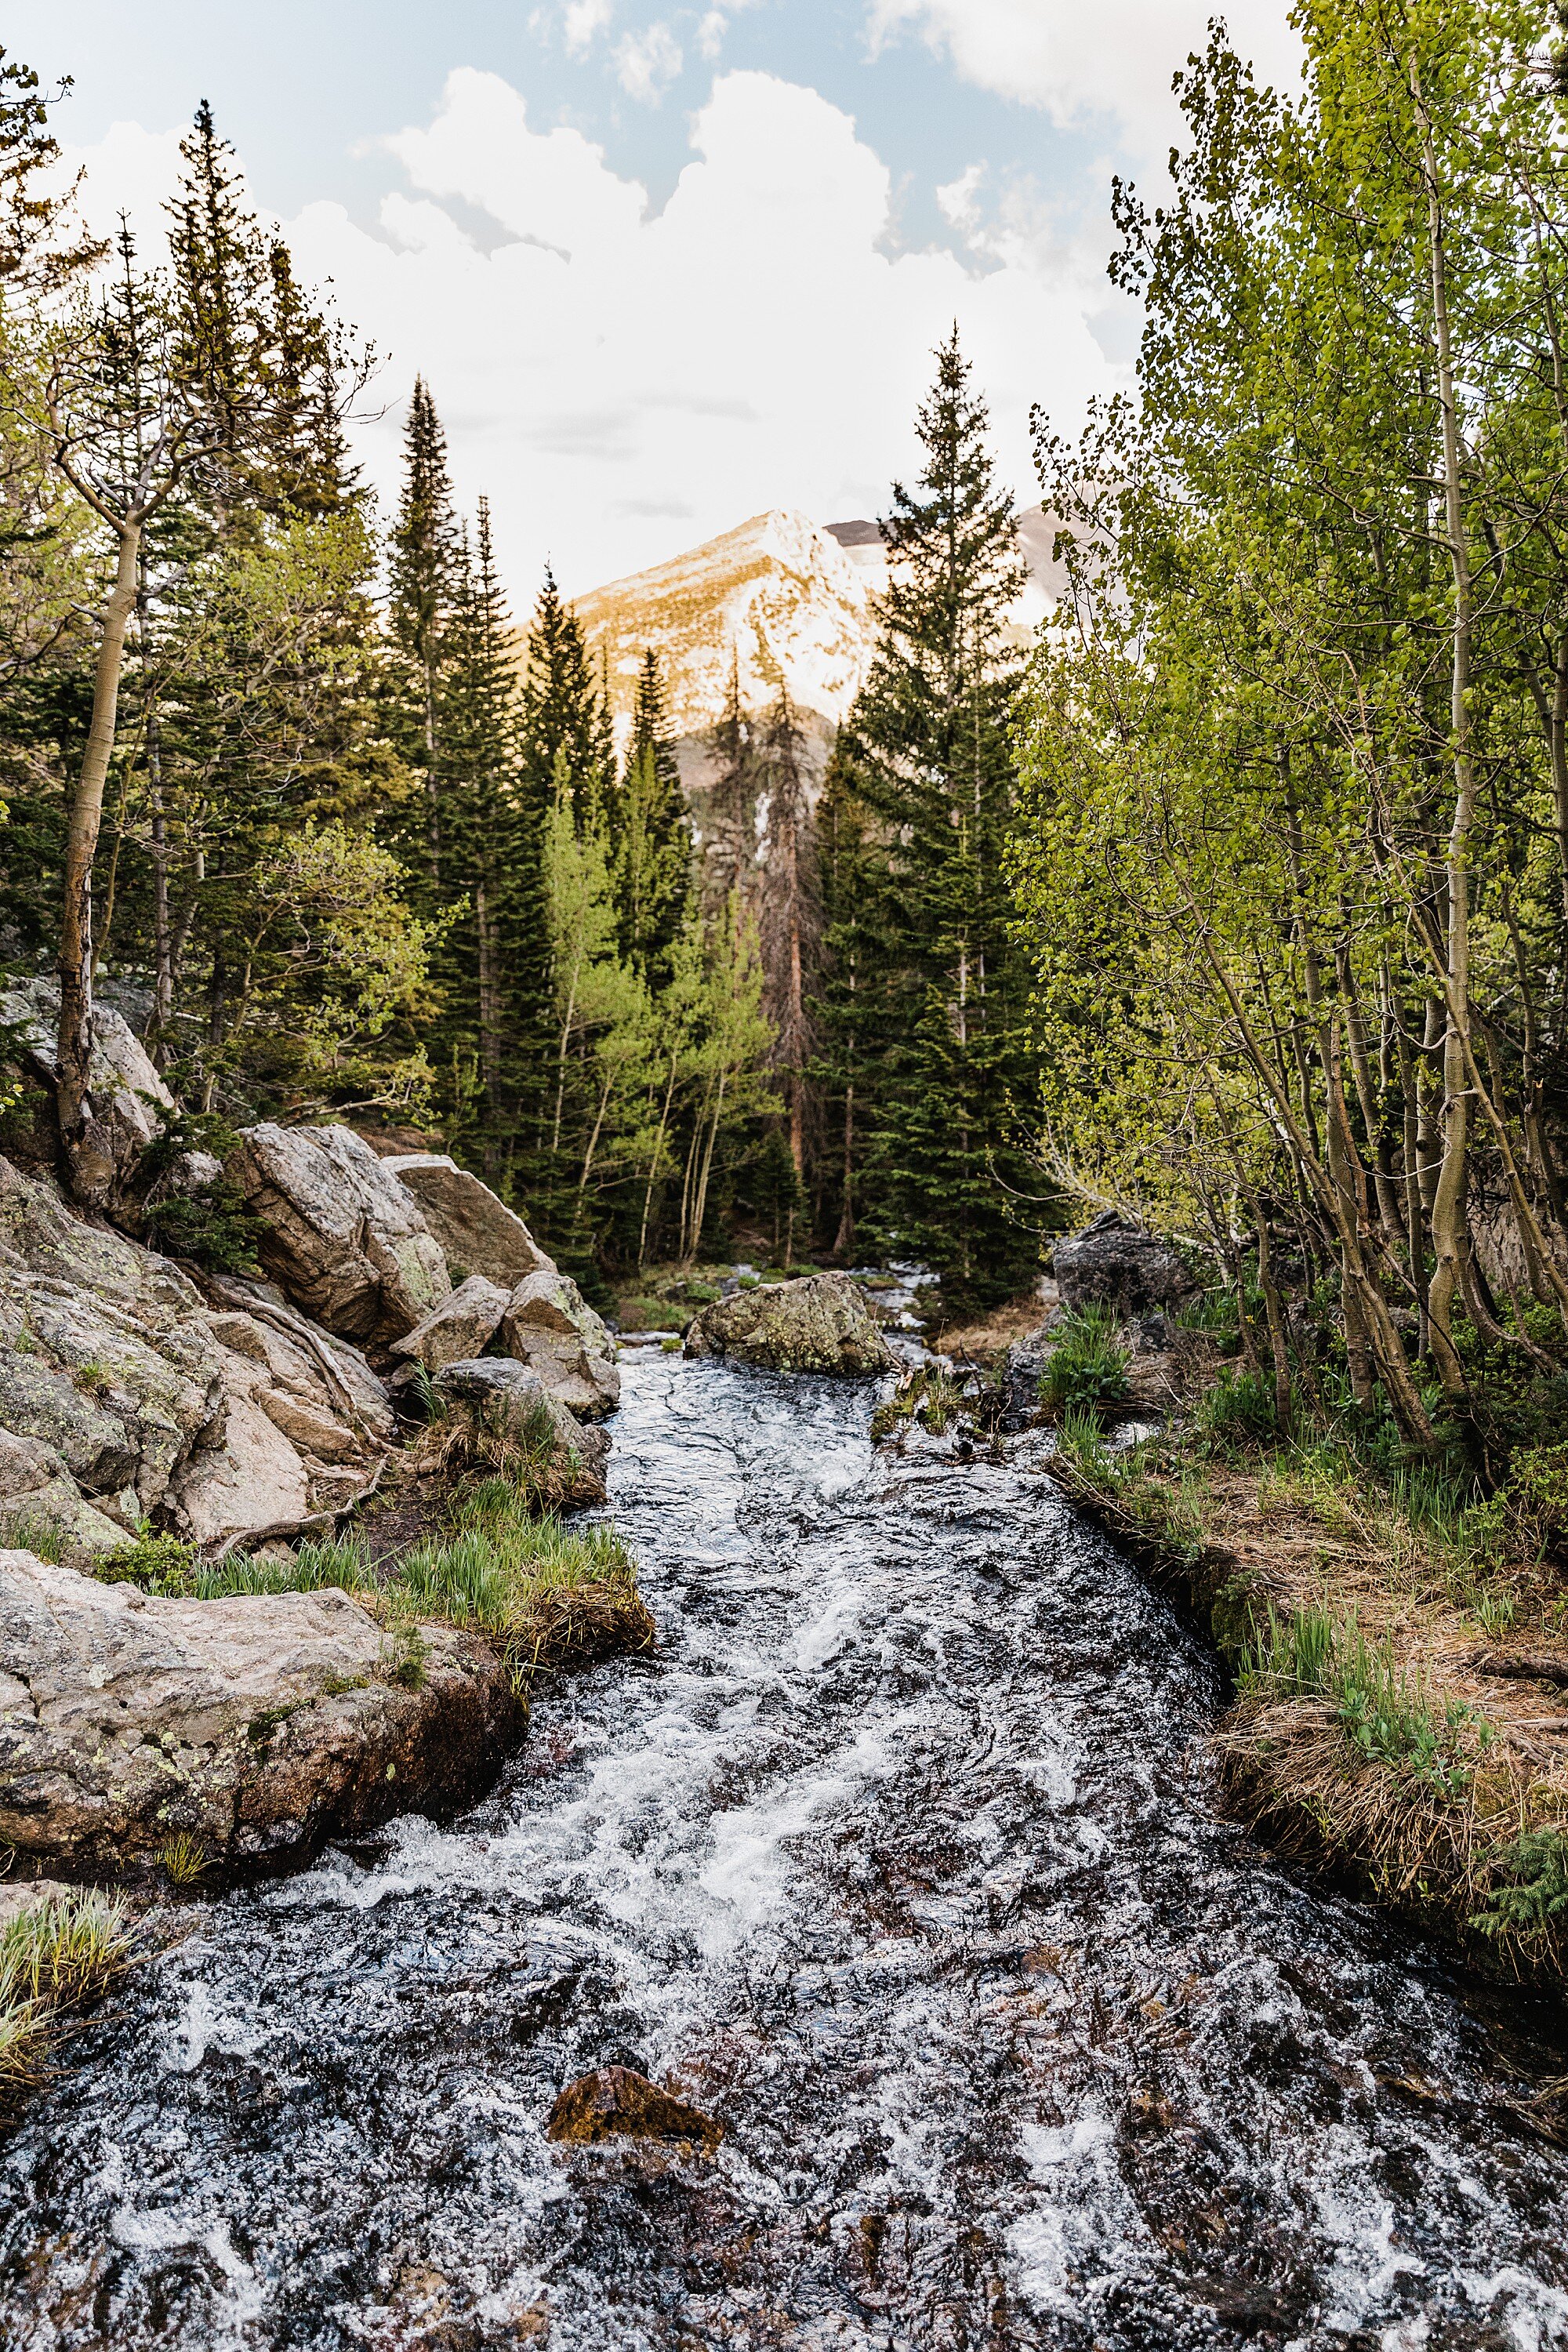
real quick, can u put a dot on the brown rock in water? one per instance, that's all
(820, 1325)
(615, 2103)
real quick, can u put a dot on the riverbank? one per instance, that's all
(1399, 1669)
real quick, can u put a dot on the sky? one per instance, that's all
(665, 267)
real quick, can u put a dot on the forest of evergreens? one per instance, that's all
(1241, 904)
(286, 783)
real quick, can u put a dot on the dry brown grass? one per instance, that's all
(1439, 1737)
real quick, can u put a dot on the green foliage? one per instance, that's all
(210, 1224)
(1086, 1371)
(155, 1563)
(1388, 1717)
(1529, 1892)
(1237, 1412)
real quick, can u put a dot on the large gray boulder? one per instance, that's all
(821, 1324)
(1115, 1264)
(256, 1727)
(462, 1326)
(549, 1324)
(509, 1418)
(124, 1395)
(120, 1076)
(478, 1232)
(339, 1234)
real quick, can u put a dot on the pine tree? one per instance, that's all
(478, 725)
(846, 1011)
(650, 833)
(730, 845)
(424, 557)
(564, 714)
(930, 743)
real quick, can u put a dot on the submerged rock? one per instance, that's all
(478, 1232)
(549, 1324)
(253, 1727)
(343, 1236)
(617, 2103)
(1114, 1264)
(820, 1325)
(508, 1413)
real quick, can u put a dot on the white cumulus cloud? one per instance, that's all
(1114, 57)
(648, 63)
(582, 19)
(623, 383)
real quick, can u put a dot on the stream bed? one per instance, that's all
(903, 1859)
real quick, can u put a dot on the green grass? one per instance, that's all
(1086, 1370)
(28, 1532)
(540, 1589)
(932, 1398)
(1387, 1715)
(1238, 1413)
(55, 1956)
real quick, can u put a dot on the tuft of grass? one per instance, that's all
(1238, 1413)
(64, 1951)
(340, 1560)
(925, 1395)
(1086, 1370)
(92, 1376)
(28, 1532)
(1387, 1715)
(183, 1860)
(656, 1314)
(542, 1591)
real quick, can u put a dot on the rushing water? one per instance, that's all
(902, 1859)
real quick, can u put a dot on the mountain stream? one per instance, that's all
(903, 1858)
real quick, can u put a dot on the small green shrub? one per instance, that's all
(703, 1294)
(748, 1281)
(160, 1564)
(1238, 1413)
(1531, 1897)
(91, 1377)
(1086, 1370)
(211, 1225)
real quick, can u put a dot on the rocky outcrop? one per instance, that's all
(507, 1414)
(618, 2103)
(462, 1326)
(255, 1728)
(121, 1077)
(124, 1395)
(1114, 1264)
(478, 1235)
(549, 1325)
(820, 1325)
(342, 1236)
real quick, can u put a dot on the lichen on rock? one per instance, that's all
(821, 1324)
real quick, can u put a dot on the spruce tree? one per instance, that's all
(424, 557)
(930, 743)
(651, 838)
(478, 1035)
(730, 844)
